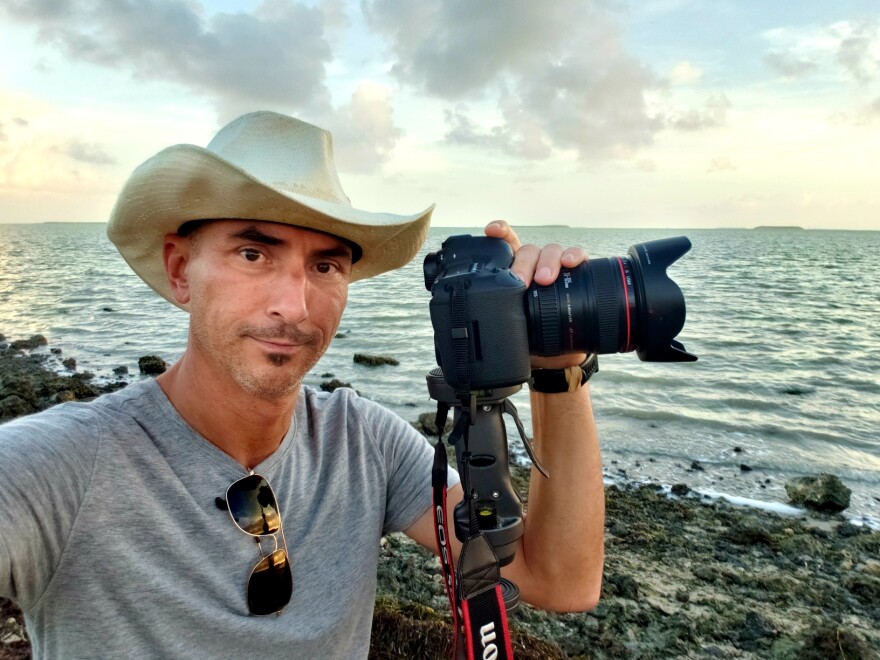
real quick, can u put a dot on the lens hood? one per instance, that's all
(660, 302)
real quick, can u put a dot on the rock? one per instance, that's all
(55, 350)
(427, 424)
(696, 465)
(2, 337)
(680, 490)
(737, 450)
(624, 586)
(120, 370)
(152, 364)
(827, 642)
(63, 396)
(107, 309)
(14, 406)
(29, 344)
(745, 468)
(339, 335)
(330, 385)
(747, 532)
(328, 375)
(374, 360)
(69, 363)
(823, 492)
(755, 628)
(865, 588)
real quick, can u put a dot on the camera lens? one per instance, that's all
(612, 305)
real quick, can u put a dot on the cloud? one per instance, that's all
(859, 49)
(558, 72)
(684, 73)
(790, 65)
(721, 164)
(364, 134)
(862, 116)
(274, 57)
(850, 46)
(84, 152)
(713, 114)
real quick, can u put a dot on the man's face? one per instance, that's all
(265, 301)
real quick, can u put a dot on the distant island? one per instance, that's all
(780, 227)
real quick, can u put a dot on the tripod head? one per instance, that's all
(482, 458)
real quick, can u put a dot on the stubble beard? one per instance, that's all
(285, 375)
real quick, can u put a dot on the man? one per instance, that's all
(113, 535)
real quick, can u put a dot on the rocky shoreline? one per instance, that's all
(683, 577)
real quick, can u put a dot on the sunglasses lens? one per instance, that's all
(253, 506)
(270, 585)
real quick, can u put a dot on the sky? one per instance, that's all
(650, 113)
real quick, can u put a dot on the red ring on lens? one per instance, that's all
(630, 301)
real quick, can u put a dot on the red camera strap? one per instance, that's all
(478, 590)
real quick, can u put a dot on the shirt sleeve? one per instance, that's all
(46, 461)
(409, 459)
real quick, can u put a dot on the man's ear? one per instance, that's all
(176, 253)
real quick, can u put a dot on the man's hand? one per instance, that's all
(542, 265)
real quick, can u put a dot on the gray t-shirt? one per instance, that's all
(112, 542)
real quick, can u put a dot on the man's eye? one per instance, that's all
(325, 267)
(251, 255)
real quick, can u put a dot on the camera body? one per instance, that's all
(481, 337)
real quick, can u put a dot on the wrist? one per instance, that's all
(566, 379)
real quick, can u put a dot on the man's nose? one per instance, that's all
(287, 299)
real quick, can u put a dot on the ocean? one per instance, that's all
(784, 321)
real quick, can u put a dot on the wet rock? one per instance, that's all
(680, 490)
(63, 396)
(14, 406)
(745, 468)
(29, 344)
(374, 360)
(69, 363)
(55, 350)
(328, 375)
(823, 492)
(696, 465)
(120, 370)
(426, 424)
(865, 588)
(152, 364)
(754, 630)
(747, 532)
(107, 309)
(624, 586)
(834, 642)
(331, 385)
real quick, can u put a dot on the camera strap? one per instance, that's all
(477, 591)
(441, 533)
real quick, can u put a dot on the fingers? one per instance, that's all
(500, 229)
(531, 262)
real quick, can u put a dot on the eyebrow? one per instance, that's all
(255, 235)
(338, 251)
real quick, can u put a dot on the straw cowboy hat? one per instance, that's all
(262, 166)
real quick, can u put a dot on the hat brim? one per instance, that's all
(186, 182)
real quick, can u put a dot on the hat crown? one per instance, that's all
(283, 152)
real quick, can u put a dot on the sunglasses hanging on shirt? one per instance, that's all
(253, 508)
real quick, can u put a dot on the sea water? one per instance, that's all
(785, 324)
